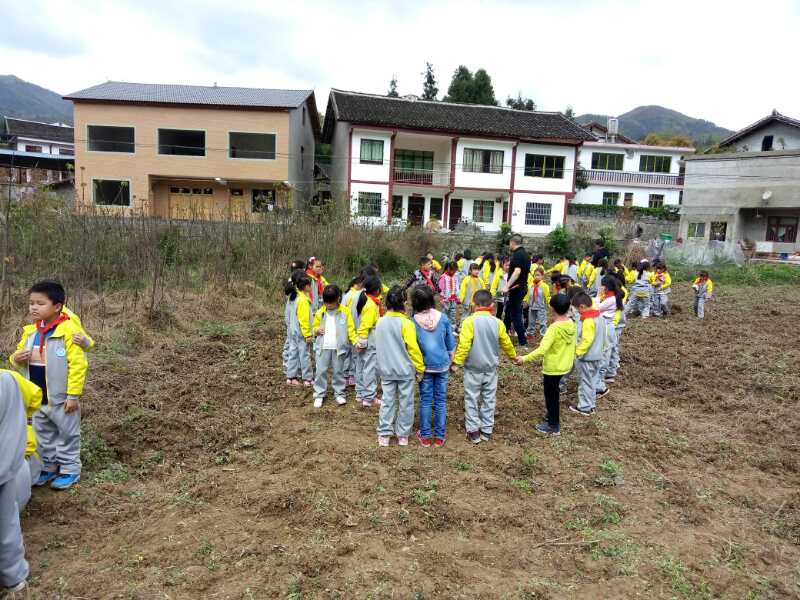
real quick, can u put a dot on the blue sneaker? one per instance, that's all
(63, 482)
(45, 477)
(544, 428)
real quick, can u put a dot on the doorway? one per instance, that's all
(719, 231)
(456, 205)
(416, 210)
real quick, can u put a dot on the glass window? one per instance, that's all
(655, 201)
(369, 204)
(718, 231)
(66, 152)
(259, 146)
(537, 213)
(418, 160)
(610, 198)
(111, 192)
(541, 165)
(208, 191)
(105, 138)
(263, 200)
(782, 229)
(436, 208)
(182, 142)
(372, 151)
(696, 230)
(483, 161)
(654, 164)
(33, 149)
(397, 207)
(237, 192)
(607, 162)
(483, 211)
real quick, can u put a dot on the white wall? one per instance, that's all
(641, 196)
(365, 171)
(556, 202)
(483, 180)
(369, 187)
(545, 184)
(752, 142)
(631, 156)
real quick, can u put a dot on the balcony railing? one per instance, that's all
(422, 176)
(634, 178)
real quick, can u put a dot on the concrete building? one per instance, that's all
(750, 192)
(34, 153)
(177, 151)
(417, 161)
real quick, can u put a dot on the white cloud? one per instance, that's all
(715, 60)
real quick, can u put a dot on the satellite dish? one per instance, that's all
(766, 195)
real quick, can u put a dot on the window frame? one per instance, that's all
(422, 154)
(120, 179)
(771, 139)
(616, 199)
(205, 142)
(644, 159)
(607, 155)
(371, 161)
(440, 218)
(397, 207)
(532, 170)
(650, 200)
(475, 204)
(487, 161)
(549, 206)
(696, 225)
(778, 218)
(271, 191)
(260, 160)
(113, 152)
(380, 204)
(39, 146)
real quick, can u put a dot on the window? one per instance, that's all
(654, 164)
(766, 143)
(263, 200)
(696, 230)
(417, 160)
(66, 151)
(33, 149)
(372, 151)
(656, 201)
(539, 165)
(369, 204)
(260, 146)
(111, 192)
(105, 138)
(718, 231)
(397, 207)
(483, 161)
(606, 161)
(610, 198)
(537, 213)
(483, 211)
(208, 191)
(436, 208)
(197, 191)
(237, 192)
(179, 190)
(782, 229)
(182, 142)
(505, 211)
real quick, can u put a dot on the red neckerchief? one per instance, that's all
(486, 309)
(45, 329)
(426, 275)
(536, 289)
(592, 313)
(609, 295)
(377, 301)
(318, 280)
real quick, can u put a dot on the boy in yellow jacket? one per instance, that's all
(471, 284)
(335, 336)
(557, 351)
(48, 356)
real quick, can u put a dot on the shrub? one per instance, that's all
(559, 241)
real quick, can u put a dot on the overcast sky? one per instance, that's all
(727, 62)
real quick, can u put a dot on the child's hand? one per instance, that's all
(419, 377)
(517, 360)
(320, 331)
(454, 368)
(71, 406)
(309, 340)
(22, 357)
(81, 340)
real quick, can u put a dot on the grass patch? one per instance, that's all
(611, 474)
(424, 496)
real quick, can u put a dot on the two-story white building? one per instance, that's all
(621, 172)
(420, 161)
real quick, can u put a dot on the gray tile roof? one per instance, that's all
(40, 131)
(447, 117)
(119, 91)
(774, 117)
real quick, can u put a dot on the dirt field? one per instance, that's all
(205, 477)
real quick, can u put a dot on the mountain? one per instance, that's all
(25, 100)
(640, 121)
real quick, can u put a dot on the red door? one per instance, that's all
(455, 213)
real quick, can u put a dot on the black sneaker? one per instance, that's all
(580, 411)
(474, 437)
(485, 437)
(545, 429)
(603, 393)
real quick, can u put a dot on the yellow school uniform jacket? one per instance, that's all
(543, 287)
(557, 348)
(588, 330)
(618, 313)
(73, 317)
(369, 318)
(582, 267)
(470, 285)
(303, 308)
(483, 345)
(32, 398)
(436, 265)
(560, 267)
(709, 285)
(498, 277)
(630, 275)
(351, 328)
(667, 280)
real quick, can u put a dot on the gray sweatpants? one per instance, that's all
(449, 308)
(13, 566)
(700, 306)
(26, 477)
(480, 400)
(298, 363)
(329, 359)
(366, 374)
(349, 362)
(396, 415)
(605, 362)
(640, 305)
(587, 371)
(59, 437)
(537, 316)
(613, 363)
(660, 304)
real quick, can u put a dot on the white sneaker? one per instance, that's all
(383, 440)
(318, 402)
(402, 441)
(341, 400)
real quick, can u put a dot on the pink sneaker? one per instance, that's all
(308, 383)
(294, 382)
(402, 441)
(366, 403)
(351, 382)
(376, 402)
(383, 440)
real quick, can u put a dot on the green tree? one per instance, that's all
(569, 112)
(668, 139)
(482, 88)
(520, 103)
(471, 89)
(429, 89)
(393, 88)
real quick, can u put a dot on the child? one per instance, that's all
(399, 362)
(30, 395)
(599, 271)
(589, 352)
(352, 295)
(661, 281)
(448, 291)
(585, 270)
(336, 334)
(538, 301)
(618, 322)
(314, 269)
(574, 316)
(561, 266)
(434, 263)
(368, 310)
(482, 337)
(572, 269)
(295, 265)
(490, 270)
(471, 284)
(437, 343)
(464, 266)
(498, 285)
(640, 290)
(555, 283)
(290, 357)
(299, 330)
(557, 351)
(14, 568)
(425, 275)
(703, 290)
(49, 357)
(610, 302)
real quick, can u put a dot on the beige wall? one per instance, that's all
(146, 162)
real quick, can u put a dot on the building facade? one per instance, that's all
(194, 152)
(32, 139)
(405, 160)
